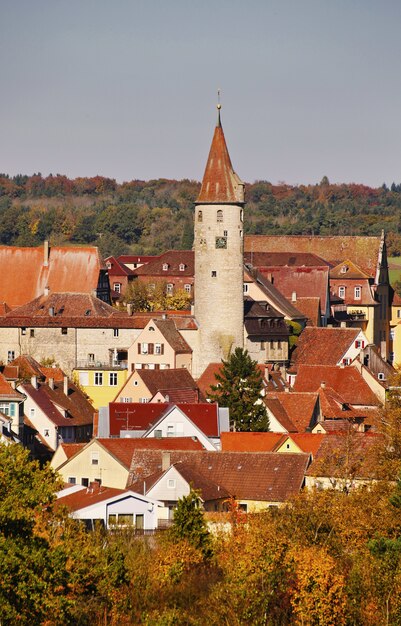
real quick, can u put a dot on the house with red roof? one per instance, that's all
(119, 276)
(301, 278)
(11, 408)
(203, 421)
(175, 268)
(292, 412)
(160, 345)
(160, 385)
(271, 442)
(107, 461)
(57, 411)
(110, 507)
(368, 256)
(257, 480)
(328, 346)
(345, 460)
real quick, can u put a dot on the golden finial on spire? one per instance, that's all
(218, 108)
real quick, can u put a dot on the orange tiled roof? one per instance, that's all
(347, 381)
(295, 411)
(323, 346)
(123, 449)
(220, 183)
(250, 442)
(310, 307)
(73, 269)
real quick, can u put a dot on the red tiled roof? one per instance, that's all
(183, 320)
(250, 442)
(173, 259)
(220, 183)
(168, 380)
(117, 267)
(134, 258)
(6, 390)
(52, 372)
(208, 377)
(70, 449)
(303, 281)
(364, 251)
(74, 269)
(53, 401)
(289, 259)
(299, 408)
(141, 416)
(308, 442)
(65, 305)
(169, 331)
(310, 307)
(123, 449)
(82, 498)
(348, 452)
(323, 346)
(347, 381)
(260, 476)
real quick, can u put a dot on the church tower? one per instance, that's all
(218, 245)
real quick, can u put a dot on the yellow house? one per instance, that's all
(107, 461)
(395, 331)
(100, 383)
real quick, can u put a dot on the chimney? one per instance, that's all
(51, 309)
(46, 251)
(34, 382)
(294, 296)
(166, 461)
(51, 383)
(287, 389)
(343, 325)
(130, 309)
(323, 384)
(12, 383)
(164, 316)
(47, 290)
(167, 398)
(65, 385)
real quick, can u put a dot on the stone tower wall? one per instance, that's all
(218, 282)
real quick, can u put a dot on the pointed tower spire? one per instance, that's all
(220, 183)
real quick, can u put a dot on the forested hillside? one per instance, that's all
(154, 216)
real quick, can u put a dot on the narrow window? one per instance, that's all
(116, 332)
(98, 379)
(113, 379)
(214, 274)
(357, 293)
(219, 215)
(200, 216)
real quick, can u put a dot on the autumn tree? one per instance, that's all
(239, 387)
(189, 523)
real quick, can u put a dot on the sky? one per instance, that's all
(128, 88)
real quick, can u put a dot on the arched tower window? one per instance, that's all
(219, 215)
(200, 216)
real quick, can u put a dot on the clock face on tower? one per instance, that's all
(221, 242)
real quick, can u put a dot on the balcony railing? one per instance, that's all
(102, 365)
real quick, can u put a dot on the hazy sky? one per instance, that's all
(127, 88)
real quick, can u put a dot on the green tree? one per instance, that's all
(239, 387)
(189, 524)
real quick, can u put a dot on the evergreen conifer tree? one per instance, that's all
(239, 387)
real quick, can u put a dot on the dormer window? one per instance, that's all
(165, 267)
(181, 267)
(108, 265)
(219, 215)
(341, 292)
(151, 328)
